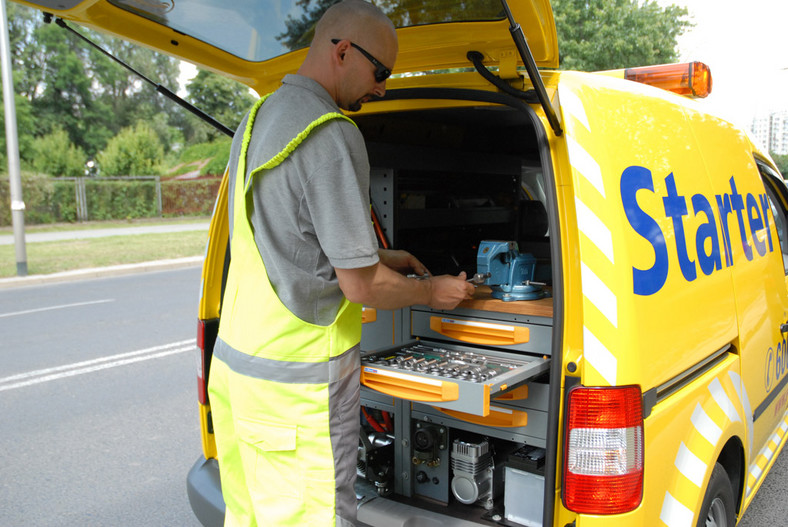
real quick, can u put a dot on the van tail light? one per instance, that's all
(603, 450)
(692, 79)
(202, 384)
(206, 338)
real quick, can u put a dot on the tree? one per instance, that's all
(223, 99)
(135, 151)
(25, 125)
(598, 35)
(300, 30)
(781, 162)
(56, 155)
(71, 85)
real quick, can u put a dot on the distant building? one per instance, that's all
(772, 132)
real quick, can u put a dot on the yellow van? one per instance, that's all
(624, 360)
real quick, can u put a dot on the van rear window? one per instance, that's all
(258, 30)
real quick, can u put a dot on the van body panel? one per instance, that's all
(211, 289)
(439, 45)
(215, 247)
(759, 281)
(684, 436)
(623, 161)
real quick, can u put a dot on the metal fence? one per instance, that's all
(81, 203)
(51, 200)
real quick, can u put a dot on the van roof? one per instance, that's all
(258, 41)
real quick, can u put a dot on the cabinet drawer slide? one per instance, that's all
(455, 378)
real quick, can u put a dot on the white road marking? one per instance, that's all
(78, 368)
(50, 308)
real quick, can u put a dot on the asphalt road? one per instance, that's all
(770, 507)
(98, 398)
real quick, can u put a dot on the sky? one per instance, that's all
(744, 42)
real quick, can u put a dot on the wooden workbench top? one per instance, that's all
(483, 301)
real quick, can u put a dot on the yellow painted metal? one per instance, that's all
(611, 129)
(215, 250)
(421, 48)
(211, 291)
(688, 159)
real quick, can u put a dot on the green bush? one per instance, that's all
(50, 200)
(115, 200)
(135, 151)
(38, 194)
(64, 201)
(56, 155)
(189, 198)
(216, 152)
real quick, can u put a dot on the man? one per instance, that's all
(284, 381)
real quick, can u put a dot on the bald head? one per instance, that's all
(356, 20)
(352, 41)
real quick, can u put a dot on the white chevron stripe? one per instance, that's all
(675, 514)
(585, 165)
(595, 229)
(572, 105)
(599, 294)
(756, 471)
(723, 401)
(705, 426)
(690, 465)
(599, 357)
(741, 391)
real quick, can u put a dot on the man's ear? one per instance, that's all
(340, 49)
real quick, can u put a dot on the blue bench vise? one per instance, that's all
(509, 273)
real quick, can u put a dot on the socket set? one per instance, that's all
(451, 364)
(454, 378)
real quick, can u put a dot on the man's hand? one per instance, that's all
(402, 261)
(448, 291)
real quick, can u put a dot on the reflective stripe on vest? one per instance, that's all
(254, 321)
(332, 370)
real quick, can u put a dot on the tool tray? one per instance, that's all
(448, 376)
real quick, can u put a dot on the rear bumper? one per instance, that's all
(205, 496)
(205, 492)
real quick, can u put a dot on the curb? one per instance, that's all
(101, 272)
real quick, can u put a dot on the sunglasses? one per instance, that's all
(381, 72)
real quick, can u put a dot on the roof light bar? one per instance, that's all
(692, 79)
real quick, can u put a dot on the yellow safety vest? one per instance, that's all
(254, 320)
(273, 381)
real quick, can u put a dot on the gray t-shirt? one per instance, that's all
(311, 213)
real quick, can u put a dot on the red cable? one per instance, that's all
(387, 424)
(374, 424)
(378, 230)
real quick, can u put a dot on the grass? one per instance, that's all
(91, 225)
(52, 257)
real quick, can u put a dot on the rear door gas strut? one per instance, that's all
(159, 88)
(533, 71)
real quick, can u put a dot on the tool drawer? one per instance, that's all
(516, 336)
(452, 377)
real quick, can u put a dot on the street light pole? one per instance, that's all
(12, 144)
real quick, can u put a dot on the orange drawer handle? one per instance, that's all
(518, 394)
(480, 332)
(409, 387)
(368, 314)
(502, 417)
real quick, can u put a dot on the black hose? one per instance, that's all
(476, 58)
